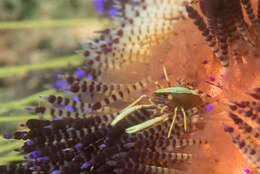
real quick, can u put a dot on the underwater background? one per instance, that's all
(38, 41)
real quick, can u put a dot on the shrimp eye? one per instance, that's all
(170, 97)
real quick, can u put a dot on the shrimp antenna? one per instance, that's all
(213, 84)
(166, 76)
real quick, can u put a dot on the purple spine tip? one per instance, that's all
(76, 99)
(90, 77)
(35, 154)
(68, 92)
(162, 76)
(84, 165)
(69, 108)
(102, 146)
(112, 12)
(42, 159)
(79, 73)
(7, 136)
(212, 78)
(57, 118)
(28, 108)
(55, 172)
(60, 84)
(87, 111)
(246, 171)
(78, 146)
(28, 143)
(209, 108)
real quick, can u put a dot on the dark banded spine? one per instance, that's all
(115, 95)
(247, 149)
(143, 155)
(242, 25)
(245, 115)
(106, 88)
(258, 12)
(199, 22)
(118, 95)
(58, 112)
(222, 38)
(15, 168)
(164, 143)
(129, 165)
(60, 101)
(246, 128)
(249, 10)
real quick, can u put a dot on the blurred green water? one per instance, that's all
(38, 39)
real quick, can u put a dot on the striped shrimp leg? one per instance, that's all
(135, 115)
(150, 133)
(118, 131)
(154, 133)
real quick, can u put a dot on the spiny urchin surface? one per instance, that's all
(137, 26)
(226, 30)
(245, 115)
(79, 138)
